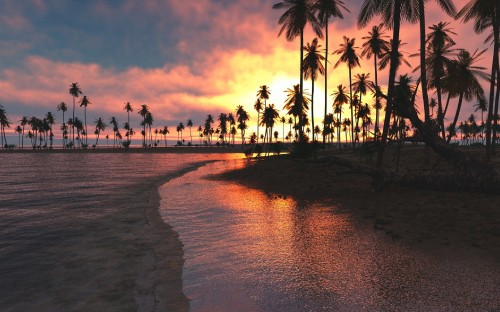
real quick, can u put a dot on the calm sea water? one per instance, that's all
(63, 231)
(248, 251)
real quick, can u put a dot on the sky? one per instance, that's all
(184, 59)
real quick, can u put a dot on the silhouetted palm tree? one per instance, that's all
(190, 125)
(4, 122)
(312, 65)
(339, 98)
(376, 45)
(325, 10)
(464, 78)
(349, 56)
(99, 126)
(361, 86)
(143, 112)
(85, 102)
(297, 106)
(258, 107)
(298, 13)
(207, 130)
(75, 91)
(128, 108)
(269, 117)
(242, 117)
(24, 121)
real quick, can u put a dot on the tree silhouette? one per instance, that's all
(75, 91)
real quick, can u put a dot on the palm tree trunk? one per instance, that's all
(423, 76)
(258, 119)
(392, 78)
(376, 98)
(440, 108)
(459, 106)
(85, 120)
(494, 70)
(301, 85)
(326, 74)
(352, 114)
(497, 99)
(312, 106)
(73, 124)
(22, 140)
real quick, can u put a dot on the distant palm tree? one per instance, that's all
(339, 98)
(100, 125)
(269, 117)
(297, 106)
(114, 122)
(85, 102)
(258, 107)
(349, 56)
(19, 131)
(180, 128)
(143, 112)
(63, 108)
(4, 122)
(464, 77)
(312, 65)
(283, 122)
(482, 106)
(24, 121)
(298, 13)
(128, 108)
(242, 117)
(190, 125)
(376, 45)
(325, 10)
(148, 120)
(207, 130)
(361, 86)
(75, 91)
(50, 122)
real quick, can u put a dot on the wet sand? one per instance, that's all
(417, 216)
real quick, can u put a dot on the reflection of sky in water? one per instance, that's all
(246, 251)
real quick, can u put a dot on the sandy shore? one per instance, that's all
(418, 216)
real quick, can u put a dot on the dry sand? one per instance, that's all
(421, 217)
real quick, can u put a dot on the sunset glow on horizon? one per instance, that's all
(184, 59)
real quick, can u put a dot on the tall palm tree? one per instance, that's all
(50, 122)
(482, 106)
(268, 119)
(486, 14)
(75, 91)
(375, 45)
(63, 108)
(24, 121)
(349, 56)
(128, 108)
(4, 122)
(114, 122)
(19, 131)
(207, 130)
(391, 11)
(143, 112)
(85, 102)
(325, 10)
(449, 8)
(148, 120)
(100, 125)
(465, 78)
(298, 13)
(439, 49)
(312, 65)
(258, 107)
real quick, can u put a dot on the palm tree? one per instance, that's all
(24, 121)
(464, 77)
(148, 120)
(242, 117)
(85, 102)
(128, 108)
(312, 65)
(361, 86)
(4, 122)
(263, 94)
(325, 10)
(258, 107)
(75, 91)
(99, 126)
(114, 122)
(180, 128)
(297, 106)
(486, 14)
(298, 13)
(482, 106)
(50, 122)
(392, 11)
(340, 98)
(190, 125)
(207, 130)
(19, 131)
(63, 108)
(375, 45)
(349, 56)
(269, 117)
(143, 112)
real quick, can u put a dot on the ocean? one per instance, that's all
(72, 238)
